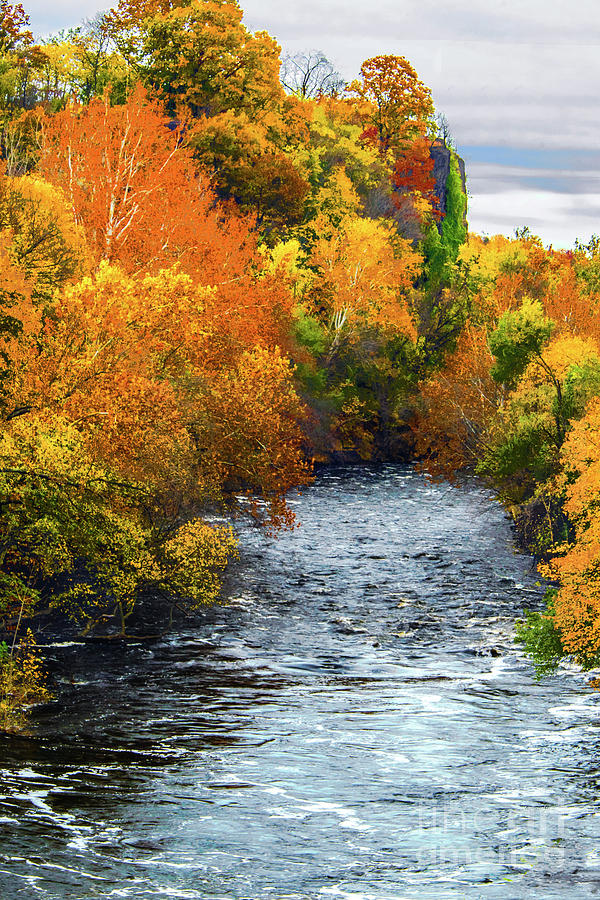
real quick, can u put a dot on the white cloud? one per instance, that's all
(47, 18)
(557, 219)
(510, 20)
(490, 178)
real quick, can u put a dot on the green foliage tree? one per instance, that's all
(539, 637)
(520, 335)
(551, 388)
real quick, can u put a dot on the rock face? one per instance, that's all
(441, 157)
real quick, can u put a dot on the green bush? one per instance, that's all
(540, 638)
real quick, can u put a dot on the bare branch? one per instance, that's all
(311, 75)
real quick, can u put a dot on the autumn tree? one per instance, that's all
(394, 105)
(345, 176)
(363, 271)
(46, 244)
(134, 187)
(19, 59)
(521, 335)
(569, 626)
(200, 62)
(198, 56)
(15, 33)
(82, 63)
(144, 357)
(551, 393)
(270, 188)
(118, 165)
(457, 408)
(414, 184)
(354, 315)
(98, 65)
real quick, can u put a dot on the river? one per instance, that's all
(355, 722)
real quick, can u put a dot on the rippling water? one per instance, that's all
(354, 723)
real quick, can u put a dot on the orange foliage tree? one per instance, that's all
(135, 189)
(14, 27)
(394, 105)
(131, 363)
(576, 565)
(153, 385)
(414, 181)
(458, 407)
(125, 174)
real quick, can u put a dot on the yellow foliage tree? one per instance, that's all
(364, 272)
(576, 565)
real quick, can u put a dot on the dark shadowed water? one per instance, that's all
(356, 723)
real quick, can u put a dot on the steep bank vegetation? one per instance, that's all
(208, 281)
(517, 402)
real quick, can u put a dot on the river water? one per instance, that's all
(355, 723)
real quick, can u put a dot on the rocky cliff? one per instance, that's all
(442, 157)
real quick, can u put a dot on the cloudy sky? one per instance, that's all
(517, 80)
